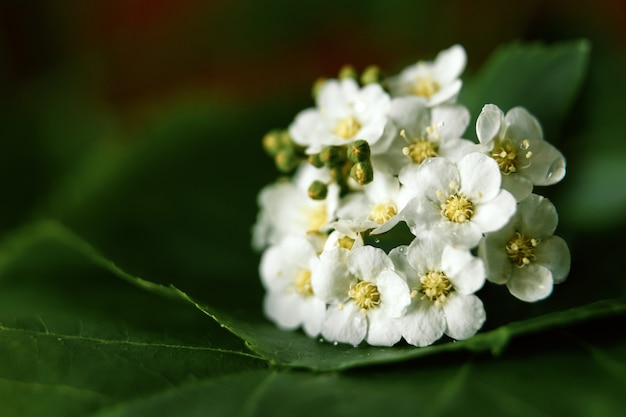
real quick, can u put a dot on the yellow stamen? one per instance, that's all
(521, 249)
(457, 208)
(302, 283)
(383, 212)
(436, 287)
(347, 127)
(365, 295)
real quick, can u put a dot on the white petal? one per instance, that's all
(465, 315)
(496, 213)
(382, 330)
(537, 217)
(554, 254)
(283, 309)
(454, 120)
(547, 164)
(497, 264)
(466, 272)
(423, 324)
(346, 325)
(449, 64)
(312, 313)
(489, 124)
(410, 113)
(447, 94)
(522, 125)
(367, 262)
(330, 279)
(518, 185)
(480, 177)
(394, 293)
(530, 283)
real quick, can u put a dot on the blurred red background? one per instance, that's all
(137, 51)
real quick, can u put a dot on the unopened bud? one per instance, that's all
(359, 150)
(362, 172)
(315, 160)
(318, 190)
(317, 86)
(370, 75)
(332, 155)
(286, 160)
(347, 71)
(272, 142)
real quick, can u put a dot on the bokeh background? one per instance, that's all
(138, 123)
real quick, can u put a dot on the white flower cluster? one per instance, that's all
(378, 158)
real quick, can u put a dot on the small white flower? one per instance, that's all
(344, 112)
(425, 132)
(443, 280)
(525, 254)
(364, 293)
(459, 202)
(515, 142)
(285, 208)
(286, 270)
(376, 204)
(348, 234)
(437, 81)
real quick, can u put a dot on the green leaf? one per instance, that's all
(74, 337)
(545, 79)
(536, 379)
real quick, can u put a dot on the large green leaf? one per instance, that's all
(545, 79)
(536, 379)
(74, 337)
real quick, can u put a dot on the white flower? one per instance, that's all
(344, 112)
(364, 293)
(285, 207)
(348, 234)
(376, 204)
(437, 81)
(516, 142)
(286, 270)
(459, 202)
(443, 280)
(525, 255)
(425, 132)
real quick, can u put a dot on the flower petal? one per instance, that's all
(346, 325)
(382, 330)
(497, 264)
(423, 324)
(537, 217)
(312, 314)
(330, 279)
(489, 124)
(367, 262)
(496, 213)
(547, 164)
(522, 125)
(530, 283)
(518, 185)
(466, 272)
(554, 254)
(480, 177)
(464, 314)
(394, 293)
(283, 308)
(449, 64)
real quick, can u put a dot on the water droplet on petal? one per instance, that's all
(335, 343)
(321, 340)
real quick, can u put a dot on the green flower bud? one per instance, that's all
(362, 172)
(370, 75)
(333, 155)
(272, 142)
(359, 151)
(315, 160)
(318, 190)
(347, 71)
(317, 86)
(286, 160)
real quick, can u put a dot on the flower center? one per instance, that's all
(421, 149)
(345, 242)
(521, 249)
(383, 212)
(316, 217)
(302, 283)
(506, 155)
(365, 295)
(435, 287)
(425, 86)
(458, 208)
(347, 127)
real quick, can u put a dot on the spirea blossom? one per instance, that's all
(387, 222)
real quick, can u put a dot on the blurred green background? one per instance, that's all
(86, 84)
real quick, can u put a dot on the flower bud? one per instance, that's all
(318, 190)
(272, 142)
(315, 160)
(332, 155)
(362, 172)
(370, 75)
(358, 151)
(347, 71)
(286, 160)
